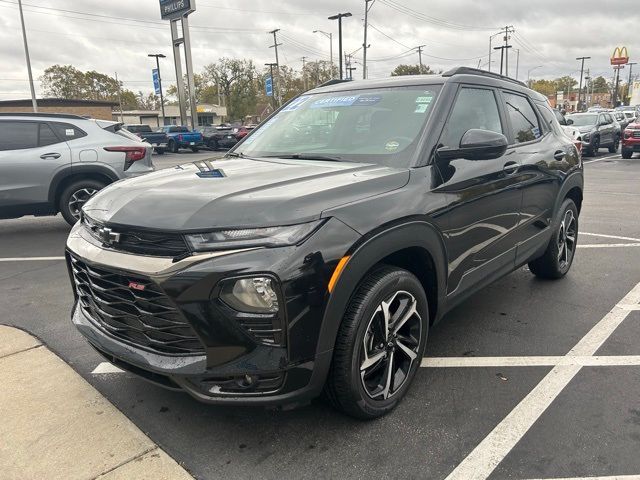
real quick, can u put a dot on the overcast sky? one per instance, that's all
(550, 34)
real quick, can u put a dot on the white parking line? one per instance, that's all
(535, 361)
(106, 367)
(615, 237)
(615, 477)
(483, 460)
(609, 157)
(610, 245)
(31, 259)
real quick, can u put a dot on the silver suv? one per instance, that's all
(53, 163)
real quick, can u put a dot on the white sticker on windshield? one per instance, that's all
(422, 107)
(69, 132)
(345, 101)
(296, 103)
(424, 100)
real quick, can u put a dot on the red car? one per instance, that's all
(243, 131)
(631, 139)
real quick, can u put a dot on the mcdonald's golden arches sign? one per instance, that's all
(620, 56)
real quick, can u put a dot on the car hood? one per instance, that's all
(634, 126)
(250, 193)
(586, 128)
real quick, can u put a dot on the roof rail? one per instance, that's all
(50, 115)
(333, 81)
(484, 73)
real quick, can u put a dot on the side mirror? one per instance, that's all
(477, 144)
(568, 121)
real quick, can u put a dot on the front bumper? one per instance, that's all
(233, 366)
(631, 144)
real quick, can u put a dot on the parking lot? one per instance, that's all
(526, 380)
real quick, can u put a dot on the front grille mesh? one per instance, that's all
(636, 134)
(154, 244)
(145, 318)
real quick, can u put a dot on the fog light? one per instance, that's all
(251, 295)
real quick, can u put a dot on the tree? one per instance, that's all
(600, 85)
(547, 88)
(236, 80)
(412, 70)
(565, 84)
(63, 81)
(319, 72)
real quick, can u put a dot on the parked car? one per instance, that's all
(572, 132)
(243, 131)
(631, 139)
(296, 265)
(218, 137)
(598, 130)
(158, 140)
(182, 137)
(51, 163)
(621, 119)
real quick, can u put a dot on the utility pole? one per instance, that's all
(304, 73)
(419, 49)
(119, 98)
(273, 84)
(507, 47)
(157, 57)
(517, 63)
(275, 46)
(631, 64)
(587, 82)
(582, 59)
(502, 50)
(339, 17)
(365, 46)
(34, 102)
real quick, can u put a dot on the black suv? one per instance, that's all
(318, 254)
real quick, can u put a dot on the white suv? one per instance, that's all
(52, 163)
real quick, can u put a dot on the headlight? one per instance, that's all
(585, 136)
(251, 295)
(252, 237)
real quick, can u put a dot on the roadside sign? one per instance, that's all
(268, 86)
(172, 9)
(156, 80)
(620, 56)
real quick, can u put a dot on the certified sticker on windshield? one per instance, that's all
(344, 101)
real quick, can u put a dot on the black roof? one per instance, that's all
(458, 74)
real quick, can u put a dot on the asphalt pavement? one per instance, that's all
(528, 379)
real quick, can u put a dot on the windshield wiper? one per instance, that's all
(235, 155)
(303, 156)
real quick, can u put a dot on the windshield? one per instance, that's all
(583, 120)
(371, 126)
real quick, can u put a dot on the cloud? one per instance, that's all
(548, 33)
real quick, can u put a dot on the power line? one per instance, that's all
(436, 21)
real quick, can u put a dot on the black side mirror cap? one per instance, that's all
(477, 144)
(568, 121)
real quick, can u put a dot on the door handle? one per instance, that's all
(510, 167)
(560, 155)
(50, 155)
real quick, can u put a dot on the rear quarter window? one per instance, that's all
(67, 131)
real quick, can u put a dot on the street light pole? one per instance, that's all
(34, 102)
(339, 17)
(158, 56)
(529, 74)
(631, 64)
(330, 37)
(364, 45)
(581, 74)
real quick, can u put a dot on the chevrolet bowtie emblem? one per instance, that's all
(107, 236)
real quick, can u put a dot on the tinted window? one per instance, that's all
(474, 108)
(18, 135)
(549, 118)
(178, 130)
(560, 117)
(47, 137)
(523, 118)
(67, 132)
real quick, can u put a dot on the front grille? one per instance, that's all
(243, 384)
(636, 134)
(154, 244)
(147, 318)
(140, 242)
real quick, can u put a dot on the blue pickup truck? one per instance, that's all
(182, 137)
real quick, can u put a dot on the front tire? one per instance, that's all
(558, 258)
(195, 150)
(616, 144)
(627, 154)
(592, 150)
(75, 196)
(173, 147)
(380, 344)
(213, 145)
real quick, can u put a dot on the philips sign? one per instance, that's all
(172, 9)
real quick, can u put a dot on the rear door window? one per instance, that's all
(46, 136)
(524, 121)
(18, 135)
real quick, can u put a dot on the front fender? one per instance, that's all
(369, 252)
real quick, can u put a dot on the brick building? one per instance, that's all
(85, 108)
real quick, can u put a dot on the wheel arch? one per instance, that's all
(572, 188)
(65, 177)
(397, 245)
